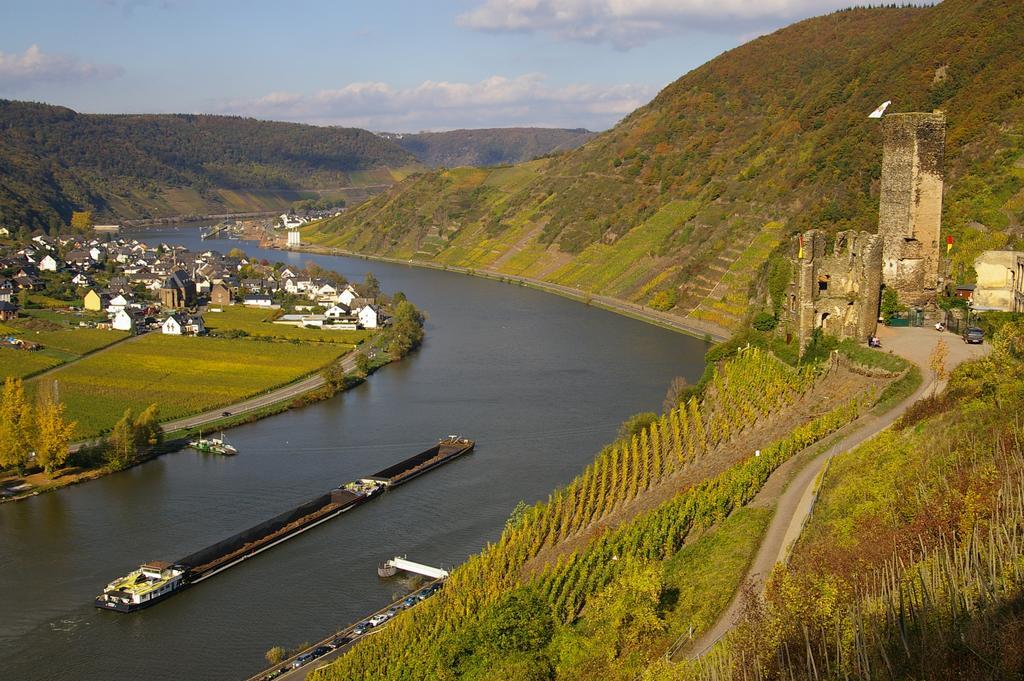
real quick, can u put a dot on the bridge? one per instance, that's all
(389, 567)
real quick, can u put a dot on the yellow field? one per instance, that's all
(182, 375)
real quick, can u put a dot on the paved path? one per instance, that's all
(796, 501)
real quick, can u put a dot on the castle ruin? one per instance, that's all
(837, 285)
(837, 288)
(910, 208)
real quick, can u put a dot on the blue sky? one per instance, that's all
(382, 65)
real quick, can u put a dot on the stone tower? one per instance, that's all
(910, 210)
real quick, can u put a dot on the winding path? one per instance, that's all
(793, 506)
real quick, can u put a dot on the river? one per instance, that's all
(540, 382)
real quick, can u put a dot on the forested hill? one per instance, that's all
(489, 146)
(54, 160)
(681, 205)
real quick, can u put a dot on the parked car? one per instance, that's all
(303, 659)
(320, 650)
(973, 334)
(410, 601)
(377, 619)
(339, 641)
(362, 628)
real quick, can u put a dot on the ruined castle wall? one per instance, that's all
(910, 208)
(837, 285)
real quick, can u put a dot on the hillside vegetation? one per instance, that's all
(487, 146)
(681, 205)
(603, 575)
(54, 160)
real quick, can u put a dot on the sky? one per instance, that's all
(384, 65)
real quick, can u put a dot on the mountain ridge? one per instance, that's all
(488, 146)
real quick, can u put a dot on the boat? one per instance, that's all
(213, 445)
(156, 580)
(152, 582)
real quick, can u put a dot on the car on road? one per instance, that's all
(303, 659)
(225, 413)
(320, 650)
(974, 335)
(362, 628)
(410, 601)
(377, 620)
(339, 641)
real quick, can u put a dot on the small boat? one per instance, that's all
(213, 445)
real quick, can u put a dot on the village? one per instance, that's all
(122, 284)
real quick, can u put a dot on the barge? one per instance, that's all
(156, 580)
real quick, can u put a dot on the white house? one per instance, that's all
(292, 221)
(335, 312)
(183, 325)
(326, 290)
(117, 304)
(348, 295)
(258, 301)
(80, 280)
(368, 316)
(95, 252)
(171, 326)
(48, 263)
(122, 321)
(287, 273)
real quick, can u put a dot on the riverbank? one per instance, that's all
(697, 328)
(307, 390)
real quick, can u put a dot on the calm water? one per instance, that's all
(541, 383)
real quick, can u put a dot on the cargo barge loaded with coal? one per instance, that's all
(154, 581)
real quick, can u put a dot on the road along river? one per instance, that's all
(540, 382)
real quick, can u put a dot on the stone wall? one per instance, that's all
(837, 285)
(998, 280)
(910, 208)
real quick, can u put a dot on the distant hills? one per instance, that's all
(489, 146)
(688, 202)
(54, 160)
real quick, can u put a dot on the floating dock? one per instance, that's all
(157, 580)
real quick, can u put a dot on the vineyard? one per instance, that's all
(914, 562)
(741, 391)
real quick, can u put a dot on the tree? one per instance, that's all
(275, 655)
(148, 432)
(362, 363)
(636, 423)
(937, 360)
(52, 433)
(121, 445)
(81, 221)
(891, 303)
(15, 422)
(371, 287)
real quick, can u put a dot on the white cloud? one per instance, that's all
(526, 100)
(630, 23)
(33, 66)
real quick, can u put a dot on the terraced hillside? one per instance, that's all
(487, 146)
(684, 203)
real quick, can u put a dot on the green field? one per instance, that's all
(18, 363)
(181, 375)
(59, 344)
(255, 323)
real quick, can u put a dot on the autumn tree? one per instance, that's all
(15, 425)
(82, 220)
(122, 446)
(148, 432)
(937, 360)
(51, 433)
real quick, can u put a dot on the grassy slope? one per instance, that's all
(181, 375)
(694, 191)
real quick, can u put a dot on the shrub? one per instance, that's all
(765, 321)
